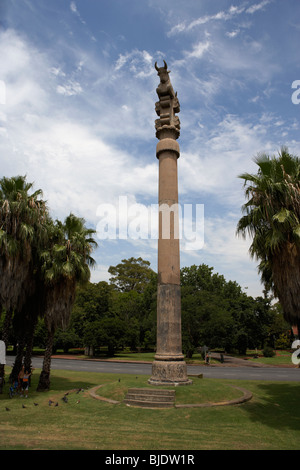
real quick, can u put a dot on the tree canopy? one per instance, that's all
(41, 263)
(132, 274)
(272, 219)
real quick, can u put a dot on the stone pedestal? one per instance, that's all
(169, 373)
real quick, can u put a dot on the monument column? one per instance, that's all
(169, 366)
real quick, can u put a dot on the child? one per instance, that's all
(26, 376)
(13, 389)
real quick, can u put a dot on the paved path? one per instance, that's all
(231, 361)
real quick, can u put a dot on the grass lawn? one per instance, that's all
(270, 421)
(281, 358)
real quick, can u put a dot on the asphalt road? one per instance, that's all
(243, 373)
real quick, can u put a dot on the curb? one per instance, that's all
(93, 394)
(247, 395)
(237, 401)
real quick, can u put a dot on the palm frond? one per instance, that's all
(272, 219)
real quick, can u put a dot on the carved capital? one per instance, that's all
(167, 106)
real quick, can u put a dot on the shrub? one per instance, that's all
(283, 342)
(268, 351)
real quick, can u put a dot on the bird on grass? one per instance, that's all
(50, 402)
(23, 406)
(35, 404)
(7, 409)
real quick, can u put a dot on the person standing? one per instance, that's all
(26, 377)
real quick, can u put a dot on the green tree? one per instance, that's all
(93, 302)
(129, 308)
(92, 336)
(206, 312)
(65, 264)
(108, 332)
(97, 307)
(272, 218)
(280, 329)
(131, 274)
(218, 314)
(23, 219)
(135, 300)
(24, 324)
(65, 339)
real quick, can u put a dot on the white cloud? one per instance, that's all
(257, 6)
(57, 72)
(69, 89)
(227, 253)
(202, 20)
(224, 15)
(244, 59)
(72, 159)
(19, 71)
(100, 273)
(233, 34)
(73, 7)
(198, 50)
(230, 253)
(140, 63)
(212, 162)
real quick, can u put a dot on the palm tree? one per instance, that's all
(24, 324)
(22, 232)
(272, 218)
(65, 264)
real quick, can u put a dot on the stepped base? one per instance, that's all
(150, 398)
(169, 373)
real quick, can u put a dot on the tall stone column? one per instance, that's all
(169, 366)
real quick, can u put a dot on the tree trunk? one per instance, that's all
(5, 336)
(18, 360)
(29, 346)
(89, 351)
(44, 382)
(286, 277)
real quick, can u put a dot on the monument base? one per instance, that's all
(169, 373)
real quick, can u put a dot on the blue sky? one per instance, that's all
(77, 112)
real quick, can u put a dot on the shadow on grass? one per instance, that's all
(59, 382)
(277, 406)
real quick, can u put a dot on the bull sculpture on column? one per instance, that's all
(168, 103)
